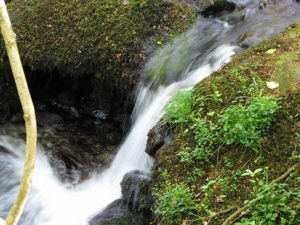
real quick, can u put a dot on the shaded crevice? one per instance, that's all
(86, 116)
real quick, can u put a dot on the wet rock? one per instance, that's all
(99, 114)
(4, 150)
(67, 98)
(136, 192)
(134, 206)
(17, 118)
(208, 8)
(68, 109)
(112, 138)
(216, 8)
(45, 119)
(159, 135)
(114, 214)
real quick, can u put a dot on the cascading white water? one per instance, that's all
(52, 203)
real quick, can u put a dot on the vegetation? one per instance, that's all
(235, 132)
(179, 108)
(103, 38)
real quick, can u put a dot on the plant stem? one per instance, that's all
(283, 176)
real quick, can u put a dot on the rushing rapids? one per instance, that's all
(190, 58)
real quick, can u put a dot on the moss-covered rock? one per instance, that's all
(90, 37)
(210, 7)
(217, 178)
(105, 42)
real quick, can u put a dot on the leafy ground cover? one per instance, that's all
(235, 133)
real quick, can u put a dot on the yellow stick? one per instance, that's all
(29, 114)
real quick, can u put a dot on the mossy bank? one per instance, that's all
(99, 40)
(235, 132)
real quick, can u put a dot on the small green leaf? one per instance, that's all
(257, 170)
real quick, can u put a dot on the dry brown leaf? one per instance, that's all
(118, 57)
(219, 199)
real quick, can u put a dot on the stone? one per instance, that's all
(134, 206)
(159, 135)
(114, 214)
(136, 191)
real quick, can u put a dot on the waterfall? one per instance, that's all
(190, 58)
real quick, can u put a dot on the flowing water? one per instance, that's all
(193, 56)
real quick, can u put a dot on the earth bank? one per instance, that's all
(206, 173)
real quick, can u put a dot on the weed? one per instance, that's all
(270, 206)
(175, 203)
(180, 107)
(194, 175)
(246, 124)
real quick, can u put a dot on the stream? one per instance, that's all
(192, 56)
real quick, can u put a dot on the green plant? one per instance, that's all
(180, 107)
(252, 173)
(246, 124)
(186, 156)
(175, 203)
(205, 136)
(194, 175)
(228, 164)
(271, 206)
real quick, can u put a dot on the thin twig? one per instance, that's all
(211, 216)
(238, 212)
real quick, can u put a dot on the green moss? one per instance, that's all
(216, 182)
(92, 37)
(287, 72)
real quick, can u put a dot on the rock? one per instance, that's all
(159, 135)
(208, 7)
(17, 118)
(112, 138)
(68, 109)
(45, 119)
(136, 191)
(216, 8)
(134, 206)
(97, 113)
(67, 98)
(115, 214)
(4, 150)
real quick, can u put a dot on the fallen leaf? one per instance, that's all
(184, 222)
(219, 199)
(272, 84)
(118, 57)
(271, 51)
